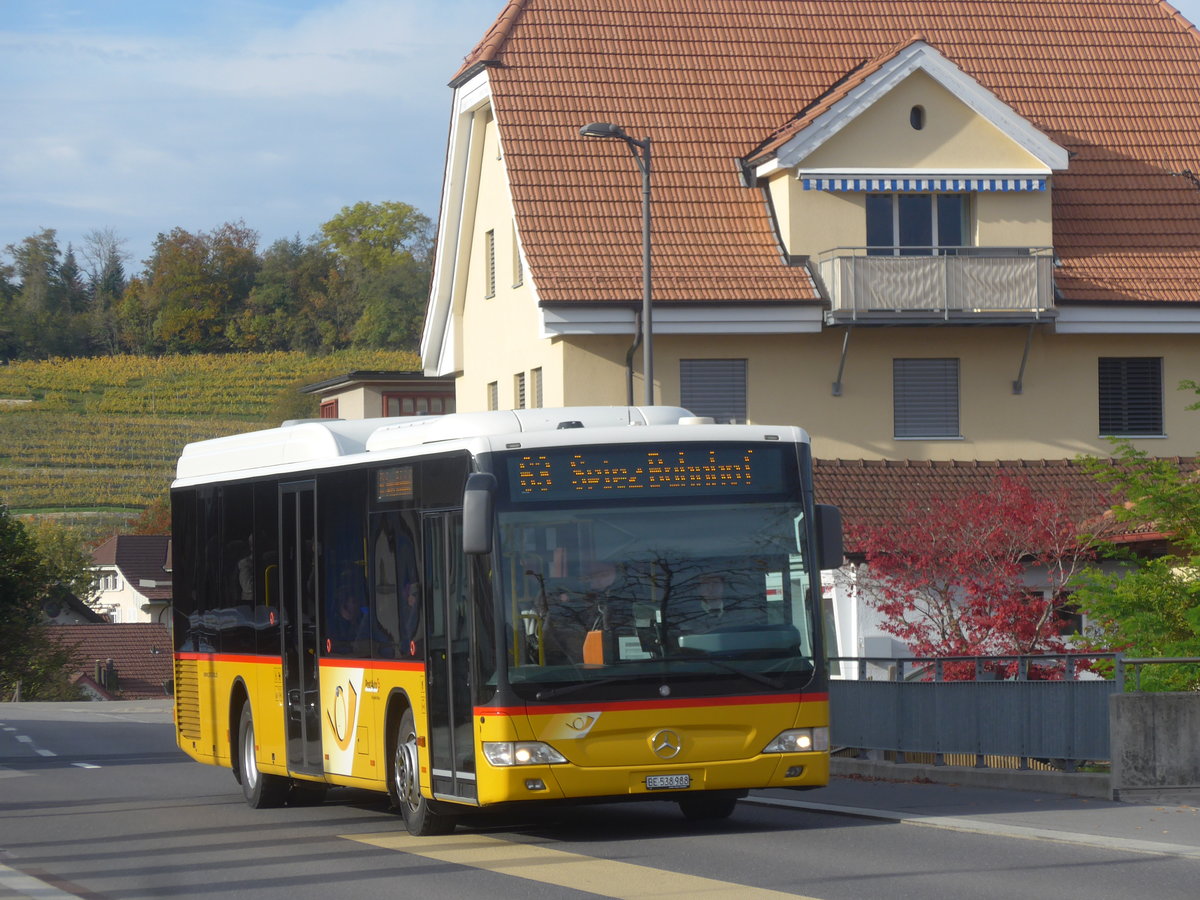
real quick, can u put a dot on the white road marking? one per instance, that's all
(27, 886)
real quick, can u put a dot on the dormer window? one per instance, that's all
(916, 117)
(903, 224)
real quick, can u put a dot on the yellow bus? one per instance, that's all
(519, 606)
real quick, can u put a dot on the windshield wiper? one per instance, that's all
(580, 685)
(736, 670)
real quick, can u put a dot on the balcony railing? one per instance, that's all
(960, 283)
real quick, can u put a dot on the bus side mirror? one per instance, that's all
(830, 552)
(478, 504)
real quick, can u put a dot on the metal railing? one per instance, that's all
(1023, 707)
(1137, 663)
(947, 282)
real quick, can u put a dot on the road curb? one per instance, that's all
(982, 826)
(1075, 784)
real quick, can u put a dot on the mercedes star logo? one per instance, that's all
(665, 744)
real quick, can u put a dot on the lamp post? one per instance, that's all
(641, 154)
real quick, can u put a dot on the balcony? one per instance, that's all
(926, 285)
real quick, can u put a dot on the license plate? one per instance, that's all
(668, 782)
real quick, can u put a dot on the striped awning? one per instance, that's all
(922, 184)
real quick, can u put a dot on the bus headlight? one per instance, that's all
(799, 740)
(521, 753)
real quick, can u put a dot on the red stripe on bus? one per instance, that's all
(406, 666)
(673, 703)
(231, 657)
(394, 665)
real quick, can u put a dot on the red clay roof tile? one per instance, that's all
(872, 492)
(142, 654)
(1117, 84)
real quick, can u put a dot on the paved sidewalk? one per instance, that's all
(1172, 829)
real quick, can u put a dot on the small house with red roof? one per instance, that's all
(132, 580)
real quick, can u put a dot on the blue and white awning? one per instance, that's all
(810, 183)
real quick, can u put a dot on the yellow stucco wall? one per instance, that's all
(954, 138)
(790, 377)
(503, 334)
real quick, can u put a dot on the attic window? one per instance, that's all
(916, 117)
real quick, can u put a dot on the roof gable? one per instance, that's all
(874, 83)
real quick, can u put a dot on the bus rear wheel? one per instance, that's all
(261, 791)
(404, 784)
(700, 806)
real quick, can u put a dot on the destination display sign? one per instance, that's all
(556, 474)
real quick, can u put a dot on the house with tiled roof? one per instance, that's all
(132, 578)
(368, 394)
(119, 662)
(926, 232)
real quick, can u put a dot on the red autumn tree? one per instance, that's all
(950, 575)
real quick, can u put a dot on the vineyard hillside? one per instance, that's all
(99, 437)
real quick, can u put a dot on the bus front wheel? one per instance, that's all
(404, 784)
(261, 791)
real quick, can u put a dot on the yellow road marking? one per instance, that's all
(604, 877)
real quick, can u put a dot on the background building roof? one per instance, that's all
(141, 653)
(144, 561)
(876, 492)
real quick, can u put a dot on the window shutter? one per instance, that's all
(1131, 400)
(925, 398)
(490, 261)
(714, 387)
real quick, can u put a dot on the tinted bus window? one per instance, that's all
(345, 613)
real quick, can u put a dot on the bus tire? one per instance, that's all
(262, 791)
(701, 806)
(404, 784)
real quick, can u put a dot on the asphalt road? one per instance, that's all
(96, 802)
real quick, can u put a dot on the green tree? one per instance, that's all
(292, 403)
(384, 252)
(195, 283)
(135, 319)
(1150, 607)
(42, 314)
(32, 666)
(65, 554)
(373, 235)
(10, 344)
(282, 310)
(104, 258)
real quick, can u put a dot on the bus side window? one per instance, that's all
(265, 545)
(396, 588)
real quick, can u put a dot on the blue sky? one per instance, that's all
(146, 115)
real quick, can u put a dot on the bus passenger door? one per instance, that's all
(298, 603)
(448, 659)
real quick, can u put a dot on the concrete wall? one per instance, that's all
(1155, 752)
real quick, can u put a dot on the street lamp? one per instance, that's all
(641, 154)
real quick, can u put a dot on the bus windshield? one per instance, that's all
(612, 600)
